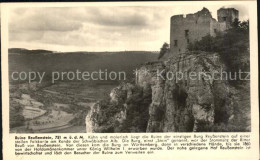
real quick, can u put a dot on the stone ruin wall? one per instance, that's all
(198, 25)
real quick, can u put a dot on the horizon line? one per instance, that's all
(85, 50)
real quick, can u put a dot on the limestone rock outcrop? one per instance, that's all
(183, 94)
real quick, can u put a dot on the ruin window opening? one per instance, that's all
(175, 42)
(186, 33)
(224, 18)
(188, 40)
(215, 30)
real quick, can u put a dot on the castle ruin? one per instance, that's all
(187, 29)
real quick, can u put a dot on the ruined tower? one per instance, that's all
(227, 15)
(192, 27)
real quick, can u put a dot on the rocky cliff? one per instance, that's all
(183, 94)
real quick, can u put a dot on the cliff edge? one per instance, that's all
(186, 93)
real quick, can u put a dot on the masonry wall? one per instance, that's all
(227, 15)
(216, 26)
(188, 29)
(197, 26)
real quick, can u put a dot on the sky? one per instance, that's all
(102, 28)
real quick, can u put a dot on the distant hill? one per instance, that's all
(40, 51)
(26, 51)
(49, 61)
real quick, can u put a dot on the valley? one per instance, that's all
(53, 109)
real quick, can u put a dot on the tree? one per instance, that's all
(232, 45)
(165, 49)
(234, 39)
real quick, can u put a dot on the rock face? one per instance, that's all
(187, 93)
(91, 124)
(125, 111)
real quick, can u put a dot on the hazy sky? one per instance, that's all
(98, 28)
